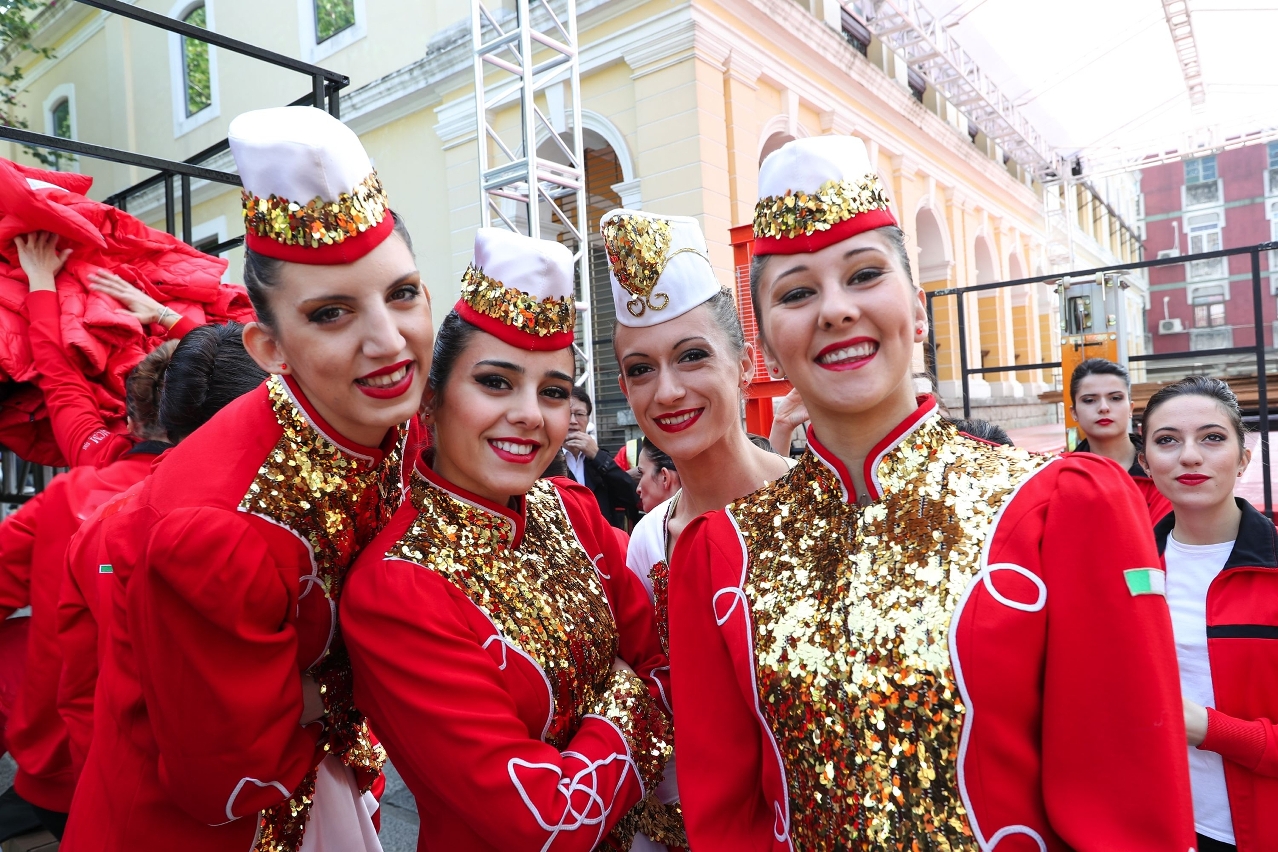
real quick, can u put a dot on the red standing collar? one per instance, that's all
(925, 411)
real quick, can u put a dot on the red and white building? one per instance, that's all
(1223, 200)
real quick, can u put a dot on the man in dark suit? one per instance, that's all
(613, 487)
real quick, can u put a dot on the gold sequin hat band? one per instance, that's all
(520, 290)
(659, 266)
(816, 192)
(310, 192)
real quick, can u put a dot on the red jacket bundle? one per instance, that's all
(102, 341)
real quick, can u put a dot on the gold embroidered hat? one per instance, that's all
(310, 192)
(659, 266)
(520, 290)
(816, 192)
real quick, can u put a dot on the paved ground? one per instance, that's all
(399, 812)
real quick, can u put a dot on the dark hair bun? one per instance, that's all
(209, 369)
(142, 392)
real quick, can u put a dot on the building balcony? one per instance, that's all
(1212, 267)
(1203, 193)
(1220, 337)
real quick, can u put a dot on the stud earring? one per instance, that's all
(283, 367)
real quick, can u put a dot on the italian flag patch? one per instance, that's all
(1146, 581)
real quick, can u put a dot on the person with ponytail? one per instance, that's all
(1221, 559)
(904, 642)
(501, 650)
(83, 434)
(33, 548)
(208, 370)
(226, 719)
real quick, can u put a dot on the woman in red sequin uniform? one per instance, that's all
(224, 719)
(501, 650)
(904, 643)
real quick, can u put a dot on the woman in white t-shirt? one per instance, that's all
(1221, 562)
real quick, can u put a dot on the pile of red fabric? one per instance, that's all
(103, 340)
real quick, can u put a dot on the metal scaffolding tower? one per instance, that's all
(519, 187)
(919, 37)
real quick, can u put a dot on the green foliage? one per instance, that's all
(16, 32)
(195, 59)
(333, 16)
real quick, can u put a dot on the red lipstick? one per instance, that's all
(516, 458)
(1192, 479)
(682, 424)
(388, 391)
(1104, 421)
(855, 362)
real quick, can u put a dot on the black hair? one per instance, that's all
(142, 392)
(1097, 367)
(659, 458)
(984, 430)
(579, 394)
(1204, 386)
(892, 233)
(558, 466)
(261, 273)
(210, 369)
(450, 341)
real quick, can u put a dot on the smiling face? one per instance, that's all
(356, 338)
(683, 379)
(1103, 406)
(500, 417)
(841, 324)
(1193, 453)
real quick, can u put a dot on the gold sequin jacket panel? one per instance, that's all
(483, 640)
(882, 652)
(217, 611)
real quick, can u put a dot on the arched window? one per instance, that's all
(60, 118)
(195, 64)
(332, 17)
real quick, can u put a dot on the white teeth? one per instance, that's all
(675, 421)
(861, 350)
(514, 449)
(385, 381)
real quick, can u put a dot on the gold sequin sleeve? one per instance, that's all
(626, 703)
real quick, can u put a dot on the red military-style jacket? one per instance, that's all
(83, 623)
(482, 640)
(968, 654)
(227, 569)
(1242, 647)
(36, 733)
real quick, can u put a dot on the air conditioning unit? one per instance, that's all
(1170, 326)
(1166, 253)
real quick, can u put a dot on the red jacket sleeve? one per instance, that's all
(720, 766)
(1111, 705)
(181, 328)
(1252, 744)
(437, 699)
(17, 540)
(210, 613)
(78, 638)
(632, 609)
(82, 435)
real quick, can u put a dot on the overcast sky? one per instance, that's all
(1102, 76)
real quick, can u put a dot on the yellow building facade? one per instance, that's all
(681, 99)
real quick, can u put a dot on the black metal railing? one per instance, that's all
(1257, 349)
(19, 479)
(173, 175)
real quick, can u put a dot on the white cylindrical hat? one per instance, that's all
(520, 290)
(659, 266)
(310, 192)
(816, 192)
